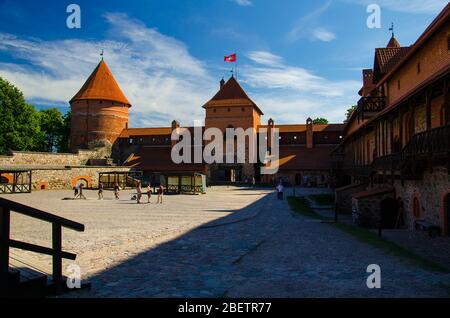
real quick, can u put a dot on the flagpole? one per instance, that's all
(235, 66)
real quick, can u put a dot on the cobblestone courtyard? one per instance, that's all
(230, 242)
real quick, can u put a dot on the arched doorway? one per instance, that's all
(389, 213)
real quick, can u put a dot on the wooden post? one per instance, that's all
(4, 249)
(57, 259)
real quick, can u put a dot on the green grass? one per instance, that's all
(301, 206)
(322, 199)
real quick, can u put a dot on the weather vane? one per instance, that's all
(102, 53)
(392, 29)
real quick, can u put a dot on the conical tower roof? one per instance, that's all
(101, 85)
(231, 94)
(393, 43)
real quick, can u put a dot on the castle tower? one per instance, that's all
(99, 110)
(232, 108)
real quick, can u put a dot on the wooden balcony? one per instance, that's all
(424, 150)
(369, 106)
(430, 142)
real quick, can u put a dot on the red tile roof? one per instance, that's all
(137, 132)
(373, 192)
(302, 158)
(158, 159)
(101, 85)
(387, 58)
(231, 94)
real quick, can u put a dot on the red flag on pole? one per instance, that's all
(230, 58)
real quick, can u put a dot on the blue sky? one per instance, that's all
(295, 58)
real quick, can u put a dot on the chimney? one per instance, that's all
(222, 82)
(175, 125)
(309, 133)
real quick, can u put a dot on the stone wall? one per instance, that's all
(25, 158)
(369, 207)
(429, 192)
(343, 197)
(67, 178)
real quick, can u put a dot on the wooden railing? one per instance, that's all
(432, 141)
(6, 207)
(369, 105)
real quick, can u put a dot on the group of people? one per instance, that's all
(137, 197)
(149, 193)
(116, 191)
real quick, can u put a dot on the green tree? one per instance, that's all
(51, 122)
(19, 124)
(320, 121)
(350, 111)
(64, 133)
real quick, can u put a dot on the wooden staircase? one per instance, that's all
(24, 277)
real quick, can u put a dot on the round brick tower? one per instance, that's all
(99, 110)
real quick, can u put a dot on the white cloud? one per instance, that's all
(323, 34)
(408, 6)
(306, 26)
(156, 72)
(244, 3)
(282, 88)
(163, 80)
(264, 57)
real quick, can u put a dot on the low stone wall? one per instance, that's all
(430, 193)
(67, 178)
(343, 197)
(19, 158)
(369, 206)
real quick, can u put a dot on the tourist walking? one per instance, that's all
(149, 193)
(116, 191)
(280, 190)
(138, 193)
(80, 194)
(160, 194)
(100, 191)
(75, 191)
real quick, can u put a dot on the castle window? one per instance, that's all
(243, 109)
(418, 68)
(295, 137)
(229, 109)
(131, 141)
(398, 84)
(214, 110)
